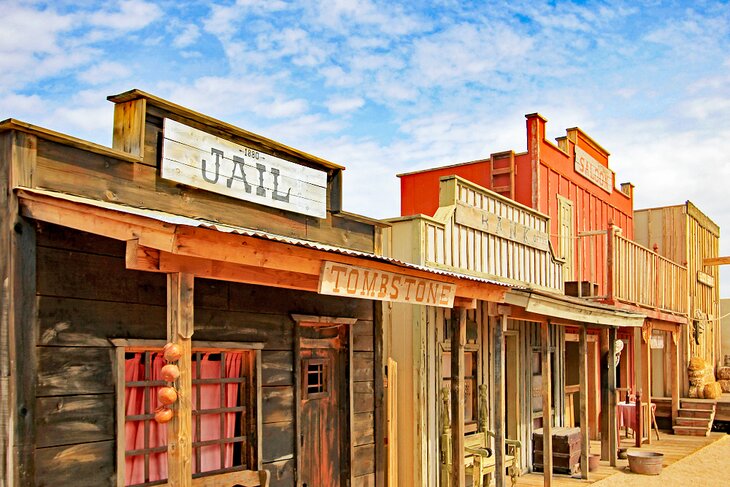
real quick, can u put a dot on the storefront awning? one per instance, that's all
(160, 241)
(573, 310)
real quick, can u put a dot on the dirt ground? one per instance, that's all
(709, 467)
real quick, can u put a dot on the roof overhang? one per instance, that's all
(164, 242)
(559, 309)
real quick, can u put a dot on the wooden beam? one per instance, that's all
(499, 404)
(605, 423)
(646, 360)
(675, 385)
(458, 341)
(583, 380)
(129, 126)
(180, 330)
(713, 261)
(611, 391)
(547, 429)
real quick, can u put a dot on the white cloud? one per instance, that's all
(187, 36)
(131, 15)
(104, 72)
(339, 105)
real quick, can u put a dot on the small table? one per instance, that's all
(626, 417)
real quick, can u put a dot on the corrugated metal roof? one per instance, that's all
(174, 219)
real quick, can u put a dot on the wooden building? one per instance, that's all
(235, 247)
(589, 224)
(512, 349)
(682, 233)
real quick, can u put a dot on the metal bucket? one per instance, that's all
(646, 462)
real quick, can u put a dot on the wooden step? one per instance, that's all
(699, 422)
(695, 413)
(691, 431)
(708, 404)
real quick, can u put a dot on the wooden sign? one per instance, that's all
(487, 222)
(706, 279)
(593, 170)
(359, 282)
(199, 159)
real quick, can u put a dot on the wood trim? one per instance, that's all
(297, 406)
(218, 125)
(499, 409)
(47, 134)
(547, 430)
(259, 410)
(458, 340)
(379, 379)
(196, 344)
(180, 330)
(583, 380)
(129, 127)
(120, 377)
(304, 320)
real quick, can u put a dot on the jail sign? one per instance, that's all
(338, 279)
(205, 161)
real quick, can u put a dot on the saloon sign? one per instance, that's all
(199, 159)
(593, 170)
(358, 282)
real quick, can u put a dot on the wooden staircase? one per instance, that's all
(695, 417)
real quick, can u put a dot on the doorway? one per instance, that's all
(324, 423)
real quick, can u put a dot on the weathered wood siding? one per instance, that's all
(444, 243)
(86, 297)
(685, 235)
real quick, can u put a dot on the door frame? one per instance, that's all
(514, 337)
(347, 447)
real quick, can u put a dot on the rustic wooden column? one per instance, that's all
(611, 392)
(605, 423)
(674, 350)
(547, 429)
(499, 406)
(646, 393)
(180, 330)
(458, 341)
(585, 445)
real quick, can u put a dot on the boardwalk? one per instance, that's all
(674, 448)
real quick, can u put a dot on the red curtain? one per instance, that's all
(210, 398)
(134, 430)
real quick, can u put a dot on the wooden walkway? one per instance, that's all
(674, 448)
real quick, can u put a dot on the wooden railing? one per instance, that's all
(628, 272)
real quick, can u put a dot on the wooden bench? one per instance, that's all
(479, 460)
(242, 478)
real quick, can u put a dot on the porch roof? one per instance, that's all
(164, 230)
(556, 307)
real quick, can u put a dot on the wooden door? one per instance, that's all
(321, 417)
(566, 236)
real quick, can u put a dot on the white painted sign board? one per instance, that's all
(338, 279)
(202, 160)
(594, 171)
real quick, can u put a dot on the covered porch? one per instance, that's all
(673, 447)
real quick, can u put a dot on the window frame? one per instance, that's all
(254, 401)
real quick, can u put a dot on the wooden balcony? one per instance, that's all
(626, 272)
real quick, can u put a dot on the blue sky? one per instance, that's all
(384, 87)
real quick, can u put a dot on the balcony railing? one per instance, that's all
(630, 273)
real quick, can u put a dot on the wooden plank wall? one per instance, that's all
(468, 249)
(70, 170)
(85, 297)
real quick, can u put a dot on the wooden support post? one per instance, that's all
(611, 413)
(380, 399)
(458, 341)
(674, 359)
(610, 232)
(639, 431)
(180, 330)
(547, 429)
(646, 372)
(499, 405)
(583, 379)
(605, 423)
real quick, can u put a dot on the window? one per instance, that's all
(223, 401)
(315, 378)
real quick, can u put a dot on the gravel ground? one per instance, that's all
(708, 467)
